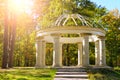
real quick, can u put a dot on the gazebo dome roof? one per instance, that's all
(79, 26)
(77, 19)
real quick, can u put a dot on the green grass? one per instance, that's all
(104, 74)
(48, 74)
(27, 74)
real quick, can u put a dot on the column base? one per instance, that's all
(38, 66)
(79, 65)
(101, 65)
(105, 66)
(56, 66)
(83, 65)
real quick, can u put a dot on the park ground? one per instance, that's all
(48, 74)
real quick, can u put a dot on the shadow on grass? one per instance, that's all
(104, 74)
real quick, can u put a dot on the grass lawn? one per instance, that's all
(27, 74)
(48, 74)
(104, 74)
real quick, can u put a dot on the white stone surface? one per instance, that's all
(102, 51)
(39, 58)
(80, 54)
(56, 52)
(43, 53)
(86, 35)
(69, 79)
(85, 51)
(97, 53)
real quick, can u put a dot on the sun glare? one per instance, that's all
(20, 5)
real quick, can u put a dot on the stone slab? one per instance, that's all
(70, 79)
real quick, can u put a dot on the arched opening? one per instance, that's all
(49, 54)
(70, 55)
(92, 53)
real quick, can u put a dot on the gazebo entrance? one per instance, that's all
(70, 54)
(86, 33)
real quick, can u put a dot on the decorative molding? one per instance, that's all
(101, 37)
(39, 38)
(71, 28)
(85, 34)
(55, 34)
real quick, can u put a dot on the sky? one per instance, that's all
(109, 4)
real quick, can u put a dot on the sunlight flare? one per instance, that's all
(20, 5)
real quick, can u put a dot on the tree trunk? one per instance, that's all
(5, 43)
(12, 41)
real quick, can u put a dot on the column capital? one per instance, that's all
(97, 40)
(79, 42)
(39, 38)
(85, 34)
(43, 41)
(101, 37)
(55, 34)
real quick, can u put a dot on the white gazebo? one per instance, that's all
(87, 33)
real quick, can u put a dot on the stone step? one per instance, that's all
(69, 79)
(72, 76)
(71, 73)
(71, 70)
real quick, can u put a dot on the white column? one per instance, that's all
(86, 49)
(102, 51)
(80, 54)
(97, 53)
(60, 54)
(43, 53)
(39, 52)
(56, 51)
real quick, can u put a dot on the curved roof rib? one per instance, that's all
(63, 19)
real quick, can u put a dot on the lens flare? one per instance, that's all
(20, 5)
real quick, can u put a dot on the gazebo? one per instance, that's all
(87, 33)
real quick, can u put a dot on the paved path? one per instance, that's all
(71, 74)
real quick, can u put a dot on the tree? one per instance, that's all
(25, 41)
(112, 22)
(9, 38)
(10, 32)
(5, 44)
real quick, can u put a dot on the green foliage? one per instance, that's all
(52, 13)
(1, 29)
(70, 54)
(84, 7)
(49, 54)
(92, 53)
(112, 22)
(24, 54)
